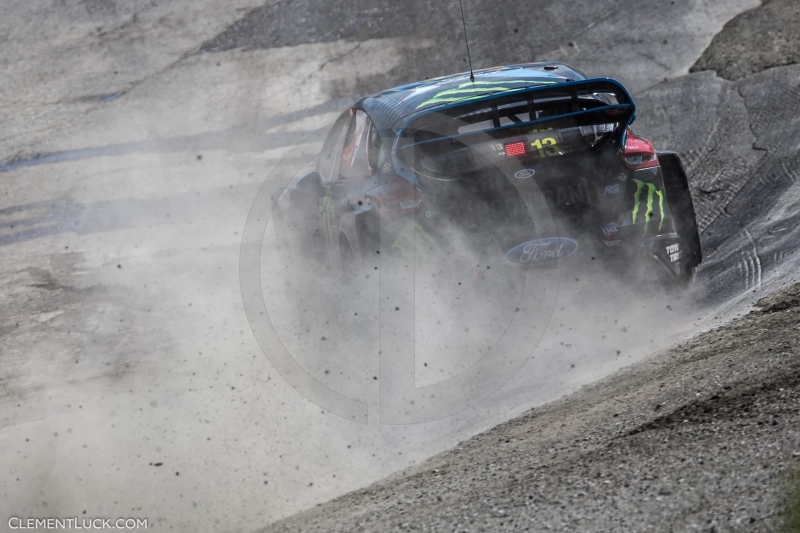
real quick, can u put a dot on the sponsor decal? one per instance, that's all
(674, 252)
(612, 234)
(525, 173)
(610, 231)
(648, 192)
(566, 195)
(351, 200)
(542, 251)
(622, 177)
(422, 243)
(571, 195)
(475, 89)
(611, 189)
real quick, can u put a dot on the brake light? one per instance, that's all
(515, 149)
(638, 152)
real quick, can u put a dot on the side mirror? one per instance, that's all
(311, 183)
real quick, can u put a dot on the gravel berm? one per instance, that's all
(702, 437)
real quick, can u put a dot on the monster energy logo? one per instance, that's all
(651, 192)
(406, 241)
(475, 89)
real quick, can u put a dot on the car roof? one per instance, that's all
(387, 107)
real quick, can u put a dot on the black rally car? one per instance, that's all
(535, 164)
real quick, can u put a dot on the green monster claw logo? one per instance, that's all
(651, 192)
(475, 89)
(406, 241)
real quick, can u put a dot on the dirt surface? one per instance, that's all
(125, 182)
(625, 37)
(700, 438)
(764, 37)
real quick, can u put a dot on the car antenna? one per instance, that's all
(464, 22)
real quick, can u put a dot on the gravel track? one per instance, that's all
(702, 437)
(122, 313)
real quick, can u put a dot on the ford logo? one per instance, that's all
(525, 173)
(542, 251)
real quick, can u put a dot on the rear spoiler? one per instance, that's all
(440, 123)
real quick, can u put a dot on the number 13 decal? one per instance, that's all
(547, 147)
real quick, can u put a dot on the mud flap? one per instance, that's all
(666, 252)
(679, 200)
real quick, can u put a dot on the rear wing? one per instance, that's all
(566, 106)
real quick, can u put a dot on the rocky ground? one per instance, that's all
(703, 437)
(758, 39)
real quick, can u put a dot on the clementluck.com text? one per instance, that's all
(17, 523)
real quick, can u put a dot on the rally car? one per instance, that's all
(535, 164)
